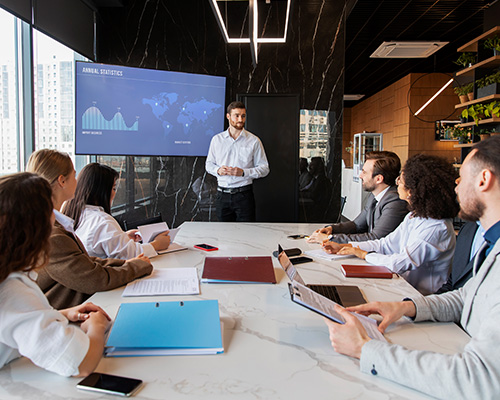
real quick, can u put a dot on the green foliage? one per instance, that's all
(463, 90)
(492, 43)
(460, 133)
(492, 109)
(465, 59)
(488, 80)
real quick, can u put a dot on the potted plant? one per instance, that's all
(476, 112)
(484, 134)
(466, 59)
(492, 109)
(488, 85)
(463, 91)
(462, 134)
(493, 43)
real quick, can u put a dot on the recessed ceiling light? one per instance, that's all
(407, 49)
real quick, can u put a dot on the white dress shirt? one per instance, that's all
(246, 152)
(420, 250)
(66, 222)
(103, 237)
(30, 327)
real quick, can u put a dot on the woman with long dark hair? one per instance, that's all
(29, 326)
(100, 233)
(421, 248)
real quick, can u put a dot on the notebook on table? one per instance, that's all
(344, 295)
(366, 271)
(166, 328)
(238, 270)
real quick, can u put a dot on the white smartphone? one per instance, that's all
(110, 384)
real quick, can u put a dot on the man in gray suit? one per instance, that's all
(383, 212)
(474, 373)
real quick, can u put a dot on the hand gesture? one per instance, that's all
(134, 235)
(390, 311)
(161, 242)
(82, 312)
(333, 247)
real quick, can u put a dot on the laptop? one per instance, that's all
(344, 295)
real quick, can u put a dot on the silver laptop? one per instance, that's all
(344, 295)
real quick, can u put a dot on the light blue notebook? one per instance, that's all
(166, 328)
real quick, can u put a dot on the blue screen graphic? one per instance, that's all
(144, 112)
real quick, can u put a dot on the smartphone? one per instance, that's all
(110, 384)
(205, 247)
(297, 236)
(300, 260)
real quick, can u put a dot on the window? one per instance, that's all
(9, 99)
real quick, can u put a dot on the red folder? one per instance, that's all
(366, 271)
(238, 270)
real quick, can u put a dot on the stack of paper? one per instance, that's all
(168, 281)
(166, 328)
(149, 232)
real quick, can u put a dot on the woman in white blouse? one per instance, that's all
(29, 326)
(99, 232)
(421, 248)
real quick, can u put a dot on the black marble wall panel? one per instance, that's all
(184, 36)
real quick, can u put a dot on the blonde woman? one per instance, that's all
(72, 276)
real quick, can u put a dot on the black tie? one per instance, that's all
(372, 214)
(481, 255)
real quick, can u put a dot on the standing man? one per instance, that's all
(236, 157)
(383, 212)
(474, 372)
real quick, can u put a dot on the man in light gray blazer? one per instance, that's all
(473, 373)
(383, 212)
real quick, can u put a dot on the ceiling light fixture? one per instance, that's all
(433, 97)
(353, 97)
(407, 49)
(253, 38)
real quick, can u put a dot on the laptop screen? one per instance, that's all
(289, 268)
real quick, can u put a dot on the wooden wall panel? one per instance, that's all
(388, 112)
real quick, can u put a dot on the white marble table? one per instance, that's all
(274, 349)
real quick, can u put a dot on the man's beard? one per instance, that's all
(475, 210)
(368, 187)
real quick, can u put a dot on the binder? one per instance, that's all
(366, 271)
(166, 328)
(238, 270)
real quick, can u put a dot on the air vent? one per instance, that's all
(407, 49)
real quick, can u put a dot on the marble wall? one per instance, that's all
(184, 36)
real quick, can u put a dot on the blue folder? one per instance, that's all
(166, 328)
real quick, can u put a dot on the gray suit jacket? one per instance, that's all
(389, 213)
(473, 373)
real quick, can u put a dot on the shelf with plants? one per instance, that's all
(481, 100)
(491, 62)
(494, 120)
(472, 46)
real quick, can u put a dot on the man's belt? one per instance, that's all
(235, 190)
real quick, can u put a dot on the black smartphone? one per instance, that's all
(205, 247)
(297, 236)
(300, 260)
(110, 384)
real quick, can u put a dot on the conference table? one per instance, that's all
(273, 348)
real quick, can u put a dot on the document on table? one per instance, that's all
(168, 281)
(316, 302)
(320, 253)
(150, 231)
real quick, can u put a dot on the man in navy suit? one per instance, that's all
(469, 240)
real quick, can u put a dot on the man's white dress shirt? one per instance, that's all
(30, 327)
(420, 250)
(103, 237)
(246, 152)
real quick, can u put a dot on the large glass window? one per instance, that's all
(9, 95)
(54, 86)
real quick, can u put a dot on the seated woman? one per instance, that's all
(422, 247)
(71, 276)
(100, 233)
(30, 326)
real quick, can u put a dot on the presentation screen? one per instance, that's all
(146, 112)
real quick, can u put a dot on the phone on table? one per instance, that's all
(110, 384)
(205, 247)
(300, 260)
(297, 236)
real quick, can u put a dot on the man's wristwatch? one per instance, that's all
(330, 236)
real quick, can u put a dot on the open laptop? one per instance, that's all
(344, 295)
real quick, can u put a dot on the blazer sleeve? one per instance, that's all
(71, 266)
(470, 374)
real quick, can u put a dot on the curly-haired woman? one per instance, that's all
(422, 247)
